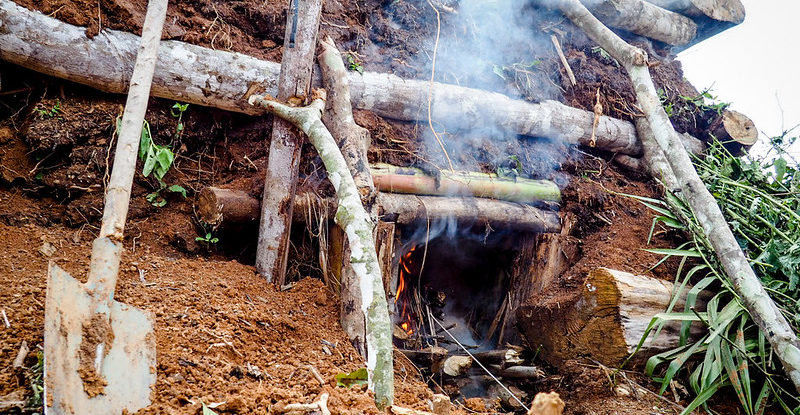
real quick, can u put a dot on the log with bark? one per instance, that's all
(353, 140)
(646, 19)
(225, 208)
(225, 80)
(731, 11)
(735, 130)
(606, 321)
(745, 283)
(283, 163)
(358, 226)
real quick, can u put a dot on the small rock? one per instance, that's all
(622, 391)
(47, 249)
(441, 404)
(254, 372)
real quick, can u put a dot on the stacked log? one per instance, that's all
(606, 321)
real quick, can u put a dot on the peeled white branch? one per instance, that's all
(356, 223)
(225, 80)
(745, 283)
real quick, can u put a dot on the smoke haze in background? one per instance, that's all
(491, 45)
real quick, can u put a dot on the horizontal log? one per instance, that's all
(411, 180)
(645, 19)
(225, 80)
(731, 11)
(224, 207)
(606, 321)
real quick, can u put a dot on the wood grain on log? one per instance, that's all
(283, 164)
(402, 209)
(606, 321)
(225, 80)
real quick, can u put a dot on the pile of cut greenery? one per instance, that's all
(760, 198)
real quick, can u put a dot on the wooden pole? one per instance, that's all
(645, 19)
(280, 183)
(358, 226)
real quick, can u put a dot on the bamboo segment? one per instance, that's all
(395, 179)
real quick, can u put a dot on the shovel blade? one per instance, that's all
(128, 369)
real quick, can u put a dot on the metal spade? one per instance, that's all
(100, 354)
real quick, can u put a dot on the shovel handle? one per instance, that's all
(118, 192)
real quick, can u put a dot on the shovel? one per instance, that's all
(100, 354)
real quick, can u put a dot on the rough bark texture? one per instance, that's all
(353, 140)
(723, 10)
(355, 221)
(745, 283)
(644, 19)
(606, 322)
(280, 182)
(225, 80)
(221, 207)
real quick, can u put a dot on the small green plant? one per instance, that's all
(208, 239)
(512, 168)
(35, 377)
(605, 56)
(354, 64)
(177, 111)
(356, 377)
(157, 161)
(51, 112)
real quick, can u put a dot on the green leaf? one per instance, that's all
(675, 252)
(176, 188)
(702, 397)
(149, 162)
(357, 377)
(165, 157)
(146, 140)
(498, 70)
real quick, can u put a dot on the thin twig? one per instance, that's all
(480, 364)
(430, 88)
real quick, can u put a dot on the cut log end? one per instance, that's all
(216, 206)
(606, 321)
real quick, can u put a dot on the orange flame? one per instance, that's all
(405, 272)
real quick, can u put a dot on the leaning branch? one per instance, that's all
(746, 284)
(356, 223)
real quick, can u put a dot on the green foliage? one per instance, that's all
(761, 202)
(157, 160)
(353, 63)
(357, 377)
(177, 111)
(35, 376)
(209, 238)
(511, 169)
(690, 107)
(605, 56)
(51, 112)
